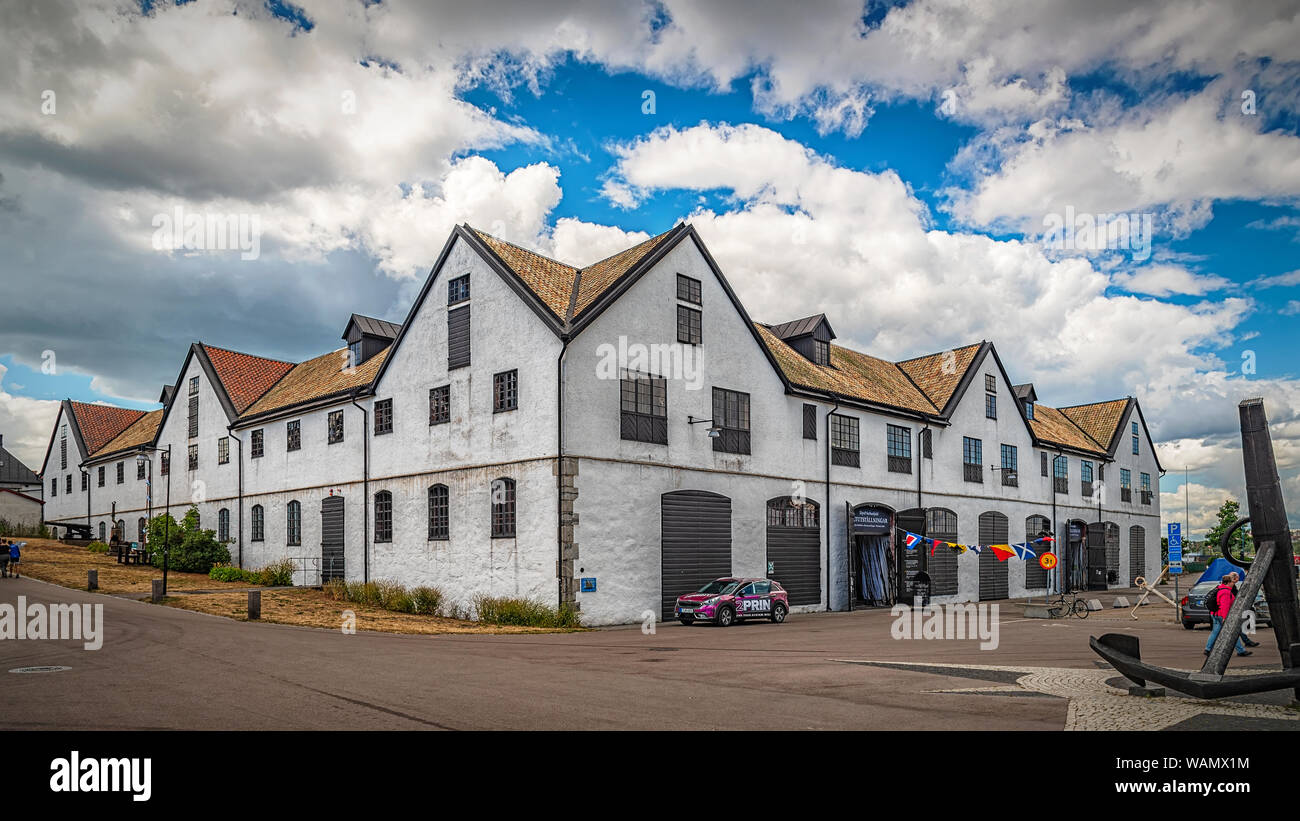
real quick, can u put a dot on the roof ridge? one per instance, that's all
(939, 353)
(527, 250)
(1091, 404)
(253, 355)
(625, 250)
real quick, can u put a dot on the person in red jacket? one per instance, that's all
(1218, 602)
(1247, 640)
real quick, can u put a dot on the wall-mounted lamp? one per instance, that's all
(714, 430)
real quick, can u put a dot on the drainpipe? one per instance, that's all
(920, 460)
(239, 494)
(365, 489)
(559, 471)
(1056, 526)
(847, 570)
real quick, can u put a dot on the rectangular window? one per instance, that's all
(731, 414)
(991, 405)
(1125, 485)
(85, 482)
(354, 354)
(101, 476)
(293, 435)
(440, 405)
(194, 457)
(458, 338)
(257, 444)
(194, 416)
(121, 472)
(990, 383)
(335, 423)
(223, 450)
(821, 352)
(898, 448)
(688, 289)
(1135, 438)
(1029, 410)
(503, 509)
(505, 391)
(688, 325)
(383, 416)
(439, 514)
(1061, 474)
(1010, 466)
(845, 442)
(810, 422)
(68, 484)
(1042, 467)
(139, 471)
(972, 459)
(63, 452)
(458, 289)
(1085, 477)
(383, 516)
(1146, 488)
(643, 408)
(927, 444)
(54, 486)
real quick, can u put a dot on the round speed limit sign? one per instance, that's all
(1047, 561)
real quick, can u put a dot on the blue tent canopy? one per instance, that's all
(1219, 568)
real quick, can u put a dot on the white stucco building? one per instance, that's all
(614, 435)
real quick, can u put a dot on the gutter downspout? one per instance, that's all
(240, 494)
(920, 460)
(828, 510)
(1057, 525)
(365, 489)
(559, 471)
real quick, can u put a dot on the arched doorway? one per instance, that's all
(993, 574)
(794, 537)
(1037, 526)
(1103, 555)
(1075, 576)
(912, 562)
(695, 543)
(872, 558)
(941, 523)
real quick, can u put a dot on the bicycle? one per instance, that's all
(1064, 608)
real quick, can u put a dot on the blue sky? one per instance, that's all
(890, 164)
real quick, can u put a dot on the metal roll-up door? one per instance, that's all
(994, 585)
(1137, 552)
(942, 564)
(1112, 554)
(331, 539)
(1035, 575)
(794, 553)
(1096, 556)
(695, 543)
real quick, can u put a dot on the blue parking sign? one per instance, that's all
(1175, 547)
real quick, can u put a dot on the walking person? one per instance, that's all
(1236, 577)
(1218, 602)
(4, 558)
(14, 555)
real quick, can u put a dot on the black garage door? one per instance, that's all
(1035, 574)
(696, 546)
(1137, 552)
(993, 573)
(331, 539)
(794, 538)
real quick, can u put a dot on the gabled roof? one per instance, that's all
(550, 281)
(802, 327)
(14, 472)
(938, 375)
(1100, 420)
(244, 377)
(1025, 392)
(316, 379)
(854, 376)
(372, 326)
(21, 495)
(1052, 427)
(142, 431)
(598, 277)
(99, 424)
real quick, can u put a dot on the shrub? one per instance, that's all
(336, 589)
(277, 574)
(97, 547)
(365, 593)
(190, 549)
(522, 612)
(226, 573)
(428, 601)
(395, 597)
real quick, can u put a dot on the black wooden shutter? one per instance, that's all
(458, 338)
(810, 422)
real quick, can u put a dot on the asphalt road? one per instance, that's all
(161, 667)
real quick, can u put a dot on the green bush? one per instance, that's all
(8, 528)
(427, 600)
(189, 548)
(277, 574)
(97, 547)
(395, 597)
(522, 612)
(226, 573)
(336, 589)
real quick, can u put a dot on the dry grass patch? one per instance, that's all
(308, 607)
(66, 565)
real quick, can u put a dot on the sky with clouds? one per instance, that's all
(905, 168)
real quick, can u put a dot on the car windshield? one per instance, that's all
(720, 586)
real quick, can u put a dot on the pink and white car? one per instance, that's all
(723, 601)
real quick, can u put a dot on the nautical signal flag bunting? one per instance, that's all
(1023, 550)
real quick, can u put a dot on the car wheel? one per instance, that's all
(1189, 625)
(687, 620)
(726, 617)
(778, 613)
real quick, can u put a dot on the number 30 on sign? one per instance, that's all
(1047, 561)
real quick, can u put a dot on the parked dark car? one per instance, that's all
(1196, 612)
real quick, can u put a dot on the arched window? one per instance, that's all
(383, 516)
(259, 524)
(783, 512)
(103, 530)
(439, 514)
(293, 524)
(941, 523)
(223, 525)
(503, 509)
(1035, 526)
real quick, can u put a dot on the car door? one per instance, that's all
(754, 599)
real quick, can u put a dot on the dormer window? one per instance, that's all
(354, 354)
(1029, 410)
(366, 336)
(821, 352)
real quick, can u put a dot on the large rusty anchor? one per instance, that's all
(1272, 569)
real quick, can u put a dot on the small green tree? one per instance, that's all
(190, 548)
(1229, 512)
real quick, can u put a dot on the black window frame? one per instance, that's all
(972, 459)
(192, 458)
(898, 448)
(293, 523)
(334, 433)
(990, 406)
(504, 514)
(439, 513)
(821, 353)
(257, 443)
(458, 290)
(383, 517)
(257, 520)
(643, 408)
(1010, 466)
(293, 435)
(440, 405)
(121, 472)
(1061, 474)
(67, 485)
(223, 524)
(223, 450)
(690, 325)
(846, 440)
(101, 476)
(383, 416)
(505, 391)
(733, 428)
(139, 470)
(810, 421)
(689, 289)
